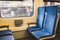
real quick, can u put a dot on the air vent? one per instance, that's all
(18, 23)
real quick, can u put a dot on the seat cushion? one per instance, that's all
(5, 32)
(31, 29)
(40, 33)
(7, 38)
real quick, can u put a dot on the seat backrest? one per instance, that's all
(51, 18)
(6, 35)
(40, 18)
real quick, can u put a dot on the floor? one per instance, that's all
(35, 39)
(32, 38)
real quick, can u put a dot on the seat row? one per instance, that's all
(46, 22)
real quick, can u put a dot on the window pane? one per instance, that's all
(16, 8)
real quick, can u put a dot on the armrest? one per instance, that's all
(31, 24)
(4, 26)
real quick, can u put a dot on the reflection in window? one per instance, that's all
(21, 10)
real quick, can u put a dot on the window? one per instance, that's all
(10, 9)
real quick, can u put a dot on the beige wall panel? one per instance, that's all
(26, 20)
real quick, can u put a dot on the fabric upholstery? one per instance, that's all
(39, 22)
(40, 33)
(51, 18)
(40, 18)
(49, 23)
(33, 28)
(5, 32)
(6, 35)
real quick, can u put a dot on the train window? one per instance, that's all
(10, 9)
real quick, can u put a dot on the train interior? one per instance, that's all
(29, 19)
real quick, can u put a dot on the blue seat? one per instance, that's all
(6, 35)
(39, 22)
(40, 34)
(49, 23)
(33, 28)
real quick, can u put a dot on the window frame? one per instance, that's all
(22, 16)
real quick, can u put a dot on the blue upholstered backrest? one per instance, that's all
(40, 17)
(5, 32)
(6, 35)
(51, 18)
